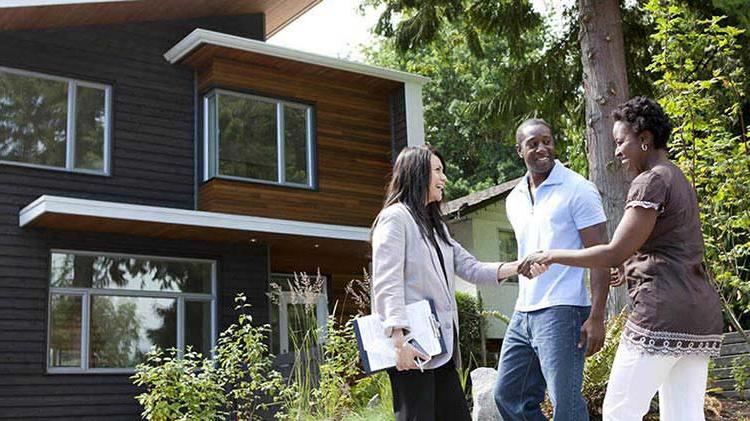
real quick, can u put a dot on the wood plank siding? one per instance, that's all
(152, 164)
(279, 13)
(353, 136)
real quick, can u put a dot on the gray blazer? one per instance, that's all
(406, 269)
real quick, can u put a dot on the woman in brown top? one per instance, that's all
(676, 322)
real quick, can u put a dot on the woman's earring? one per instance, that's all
(644, 147)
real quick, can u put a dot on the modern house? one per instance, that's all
(157, 157)
(478, 221)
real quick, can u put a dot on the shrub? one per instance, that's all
(245, 367)
(598, 367)
(740, 373)
(239, 383)
(186, 388)
(338, 371)
(470, 326)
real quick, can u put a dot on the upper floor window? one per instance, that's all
(106, 311)
(259, 139)
(54, 122)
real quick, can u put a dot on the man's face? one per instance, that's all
(537, 148)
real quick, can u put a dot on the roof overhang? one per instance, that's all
(55, 212)
(201, 37)
(40, 14)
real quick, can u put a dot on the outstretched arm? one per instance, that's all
(634, 229)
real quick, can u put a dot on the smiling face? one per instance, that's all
(537, 148)
(628, 148)
(437, 180)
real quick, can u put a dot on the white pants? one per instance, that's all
(636, 377)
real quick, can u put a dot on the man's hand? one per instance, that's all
(592, 335)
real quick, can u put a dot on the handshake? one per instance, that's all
(534, 264)
(538, 262)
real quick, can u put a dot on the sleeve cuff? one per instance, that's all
(589, 222)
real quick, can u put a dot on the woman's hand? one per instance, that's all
(405, 353)
(617, 276)
(535, 264)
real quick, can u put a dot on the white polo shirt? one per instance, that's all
(564, 203)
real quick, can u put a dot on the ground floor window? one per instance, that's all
(295, 310)
(106, 311)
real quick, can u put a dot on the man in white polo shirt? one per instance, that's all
(554, 325)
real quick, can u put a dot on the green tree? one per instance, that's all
(702, 86)
(474, 103)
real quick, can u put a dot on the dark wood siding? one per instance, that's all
(152, 163)
(25, 390)
(398, 122)
(153, 106)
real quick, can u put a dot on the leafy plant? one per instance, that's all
(240, 382)
(701, 85)
(245, 367)
(741, 373)
(179, 388)
(338, 371)
(597, 368)
(470, 326)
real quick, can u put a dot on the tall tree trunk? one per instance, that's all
(605, 86)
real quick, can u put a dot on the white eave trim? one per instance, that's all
(94, 208)
(201, 36)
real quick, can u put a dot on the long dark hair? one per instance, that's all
(410, 185)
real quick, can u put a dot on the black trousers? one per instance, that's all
(433, 395)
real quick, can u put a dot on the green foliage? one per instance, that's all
(373, 399)
(702, 87)
(597, 367)
(245, 367)
(338, 372)
(470, 326)
(740, 374)
(528, 66)
(240, 382)
(180, 388)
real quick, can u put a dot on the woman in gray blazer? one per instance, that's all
(414, 258)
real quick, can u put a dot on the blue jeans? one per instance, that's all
(540, 352)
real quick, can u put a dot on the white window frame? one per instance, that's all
(73, 85)
(286, 297)
(87, 293)
(211, 169)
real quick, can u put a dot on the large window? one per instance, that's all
(508, 248)
(53, 122)
(260, 139)
(106, 311)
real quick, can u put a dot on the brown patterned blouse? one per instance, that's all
(675, 309)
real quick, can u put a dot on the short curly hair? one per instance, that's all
(643, 113)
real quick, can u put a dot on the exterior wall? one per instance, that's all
(398, 122)
(153, 106)
(482, 241)
(152, 163)
(353, 143)
(26, 391)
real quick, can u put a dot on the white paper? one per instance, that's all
(380, 351)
